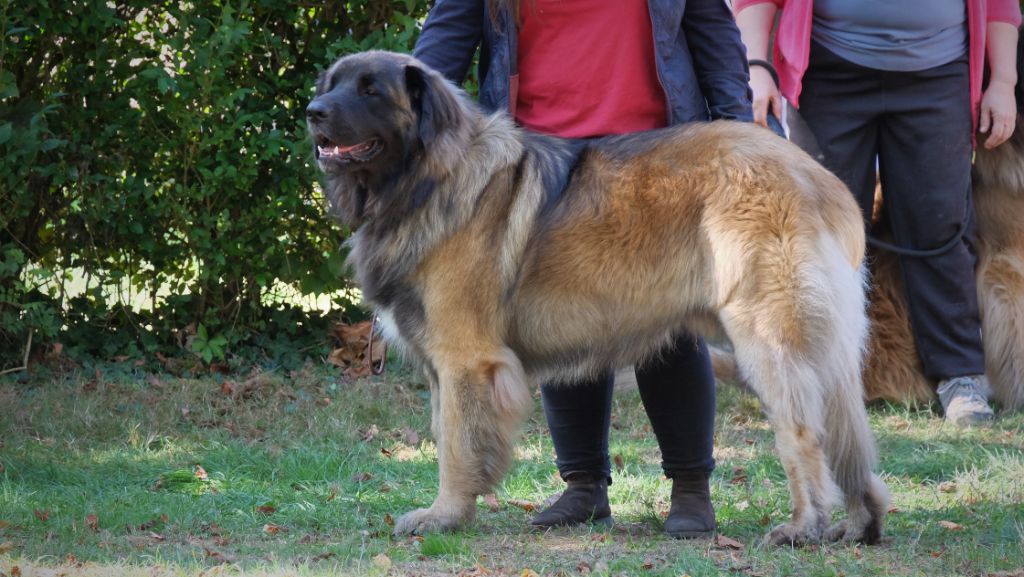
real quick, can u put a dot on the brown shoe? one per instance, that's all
(584, 500)
(691, 515)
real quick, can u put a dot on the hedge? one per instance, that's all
(156, 154)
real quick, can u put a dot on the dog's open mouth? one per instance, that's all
(362, 152)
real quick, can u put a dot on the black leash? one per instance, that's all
(917, 253)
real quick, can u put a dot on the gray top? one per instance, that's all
(903, 35)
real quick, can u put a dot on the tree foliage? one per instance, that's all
(156, 153)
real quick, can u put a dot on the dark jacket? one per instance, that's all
(701, 61)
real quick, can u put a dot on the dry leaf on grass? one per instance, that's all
(728, 543)
(492, 502)
(739, 476)
(92, 522)
(383, 561)
(266, 509)
(272, 529)
(619, 464)
(524, 505)
(352, 345)
(951, 525)
(42, 515)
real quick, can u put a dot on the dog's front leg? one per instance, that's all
(481, 404)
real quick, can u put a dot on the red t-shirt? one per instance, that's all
(586, 68)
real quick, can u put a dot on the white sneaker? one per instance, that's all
(965, 400)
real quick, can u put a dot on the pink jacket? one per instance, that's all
(793, 40)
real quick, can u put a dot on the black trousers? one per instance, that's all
(918, 127)
(678, 393)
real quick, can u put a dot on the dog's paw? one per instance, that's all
(848, 532)
(422, 521)
(791, 535)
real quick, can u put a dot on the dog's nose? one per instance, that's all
(316, 111)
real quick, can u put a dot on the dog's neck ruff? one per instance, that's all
(431, 199)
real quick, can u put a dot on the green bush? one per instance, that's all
(156, 154)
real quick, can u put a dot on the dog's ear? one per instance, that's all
(435, 103)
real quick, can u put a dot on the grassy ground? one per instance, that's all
(118, 471)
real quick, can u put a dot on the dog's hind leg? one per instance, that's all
(792, 399)
(482, 401)
(799, 336)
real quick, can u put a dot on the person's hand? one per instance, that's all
(998, 113)
(767, 99)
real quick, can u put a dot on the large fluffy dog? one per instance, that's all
(893, 370)
(500, 258)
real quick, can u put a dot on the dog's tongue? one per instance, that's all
(338, 150)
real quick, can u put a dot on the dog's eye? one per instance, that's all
(367, 86)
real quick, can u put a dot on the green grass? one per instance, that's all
(304, 473)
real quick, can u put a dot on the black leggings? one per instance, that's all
(678, 392)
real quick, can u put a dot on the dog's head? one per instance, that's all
(374, 110)
(375, 119)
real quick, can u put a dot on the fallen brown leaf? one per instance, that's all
(739, 476)
(524, 505)
(528, 573)
(728, 543)
(477, 571)
(324, 556)
(951, 525)
(92, 522)
(947, 487)
(619, 464)
(227, 388)
(388, 520)
(362, 477)
(272, 529)
(385, 452)
(584, 568)
(15, 571)
(42, 515)
(201, 473)
(382, 561)
(266, 509)
(492, 502)
(6, 547)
